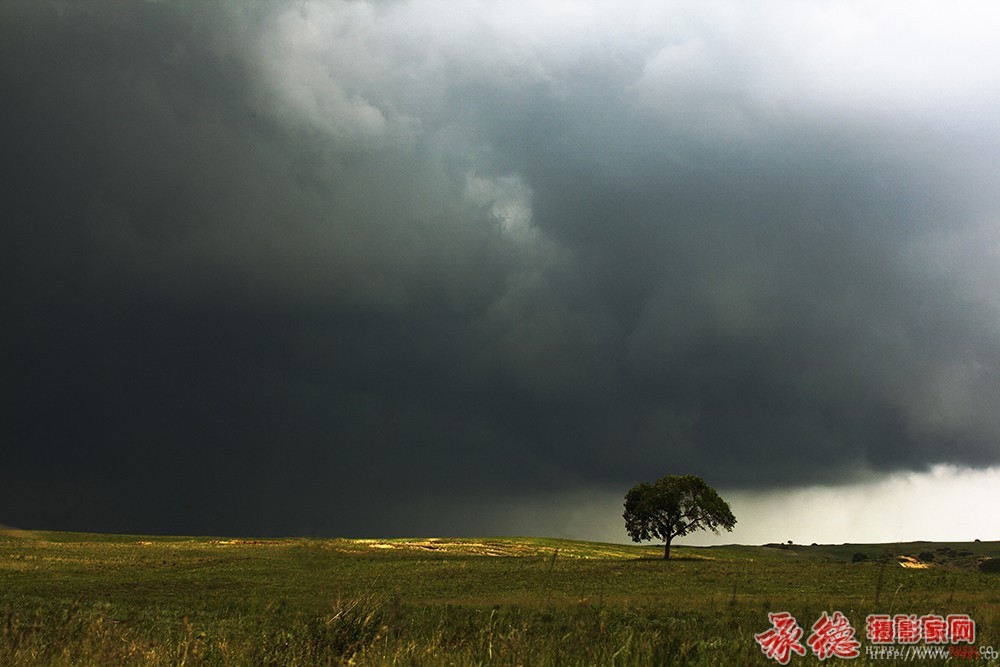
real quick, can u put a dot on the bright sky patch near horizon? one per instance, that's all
(944, 504)
(357, 268)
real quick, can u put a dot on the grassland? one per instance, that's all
(71, 598)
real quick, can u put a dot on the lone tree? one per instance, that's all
(673, 506)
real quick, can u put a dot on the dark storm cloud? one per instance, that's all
(328, 267)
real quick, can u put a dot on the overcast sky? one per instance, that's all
(435, 268)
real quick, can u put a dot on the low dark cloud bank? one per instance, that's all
(337, 268)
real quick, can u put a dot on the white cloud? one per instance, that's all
(930, 62)
(508, 200)
(360, 70)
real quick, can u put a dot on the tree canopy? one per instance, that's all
(673, 506)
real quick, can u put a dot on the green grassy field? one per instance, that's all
(71, 598)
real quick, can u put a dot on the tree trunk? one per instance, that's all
(666, 550)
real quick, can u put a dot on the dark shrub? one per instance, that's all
(990, 565)
(926, 556)
(859, 557)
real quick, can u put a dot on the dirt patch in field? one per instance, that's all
(912, 563)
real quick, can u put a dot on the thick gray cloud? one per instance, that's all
(330, 267)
